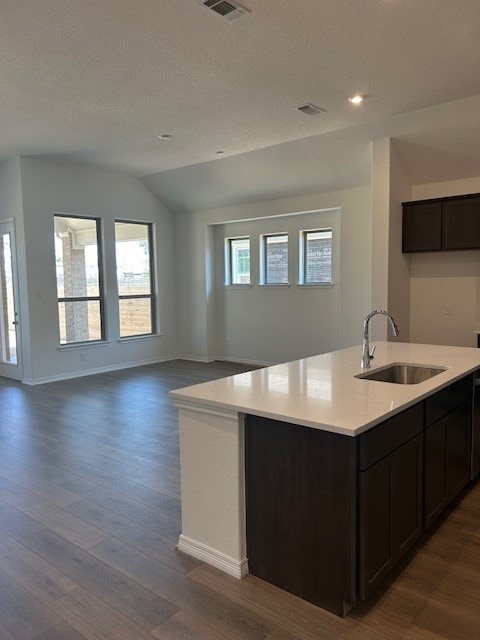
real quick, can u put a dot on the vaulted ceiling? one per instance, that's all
(95, 83)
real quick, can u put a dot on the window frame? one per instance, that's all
(304, 255)
(263, 259)
(229, 262)
(101, 281)
(153, 281)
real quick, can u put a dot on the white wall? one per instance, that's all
(11, 206)
(49, 187)
(398, 263)
(255, 323)
(196, 294)
(447, 278)
(380, 229)
(390, 268)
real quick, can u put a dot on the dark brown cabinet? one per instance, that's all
(422, 227)
(461, 223)
(301, 511)
(390, 508)
(328, 516)
(447, 460)
(442, 224)
(390, 485)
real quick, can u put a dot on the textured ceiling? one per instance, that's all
(435, 144)
(94, 83)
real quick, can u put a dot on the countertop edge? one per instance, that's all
(185, 396)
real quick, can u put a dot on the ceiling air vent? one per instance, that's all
(229, 11)
(310, 109)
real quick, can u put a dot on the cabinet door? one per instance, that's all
(422, 227)
(447, 460)
(458, 449)
(461, 224)
(390, 512)
(436, 494)
(301, 500)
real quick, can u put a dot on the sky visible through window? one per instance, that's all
(131, 257)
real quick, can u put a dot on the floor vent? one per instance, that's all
(229, 11)
(310, 109)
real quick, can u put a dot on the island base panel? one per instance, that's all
(301, 511)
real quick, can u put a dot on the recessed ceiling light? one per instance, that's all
(220, 153)
(357, 98)
(165, 136)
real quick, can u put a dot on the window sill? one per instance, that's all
(265, 285)
(75, 346)
(238, 286)
(316, 285)
(150, 336)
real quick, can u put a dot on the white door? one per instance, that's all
(10, 345)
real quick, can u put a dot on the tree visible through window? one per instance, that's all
(79, 279)
(134, 254)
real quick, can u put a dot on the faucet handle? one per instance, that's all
(370, 355)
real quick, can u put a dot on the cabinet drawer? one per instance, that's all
(447, 399)
(389, 435)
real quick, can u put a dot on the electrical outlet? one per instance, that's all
(228, 343)
(447, 309)
(83, 357)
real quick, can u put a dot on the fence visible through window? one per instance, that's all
(79, 279)
(135, 278)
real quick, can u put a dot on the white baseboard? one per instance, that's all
(138, 363)
(235, 568)
(91, 372)
(259, 363)
(195, 358)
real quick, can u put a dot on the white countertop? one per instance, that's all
(322, 392)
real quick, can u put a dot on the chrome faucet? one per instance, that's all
(367, 355)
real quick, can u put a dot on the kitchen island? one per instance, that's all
(317, 480)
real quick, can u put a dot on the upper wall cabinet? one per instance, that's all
(442, 224)
(461, 223)
(422, 226)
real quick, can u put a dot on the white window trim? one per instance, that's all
(263, 260)
(144, 336)
(80, 346)
(316, 285)
(228, 262)
(102, 297)
(239, 287)
(302, 260)
(153, 296)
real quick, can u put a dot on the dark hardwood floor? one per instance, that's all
(90, 515)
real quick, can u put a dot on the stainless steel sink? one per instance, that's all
(402, 373)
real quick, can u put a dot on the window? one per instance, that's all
(135, 278)
(238, 261)
(79, 279)
(275, 256)
(316, 256)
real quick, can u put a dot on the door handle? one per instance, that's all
(15, 322)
